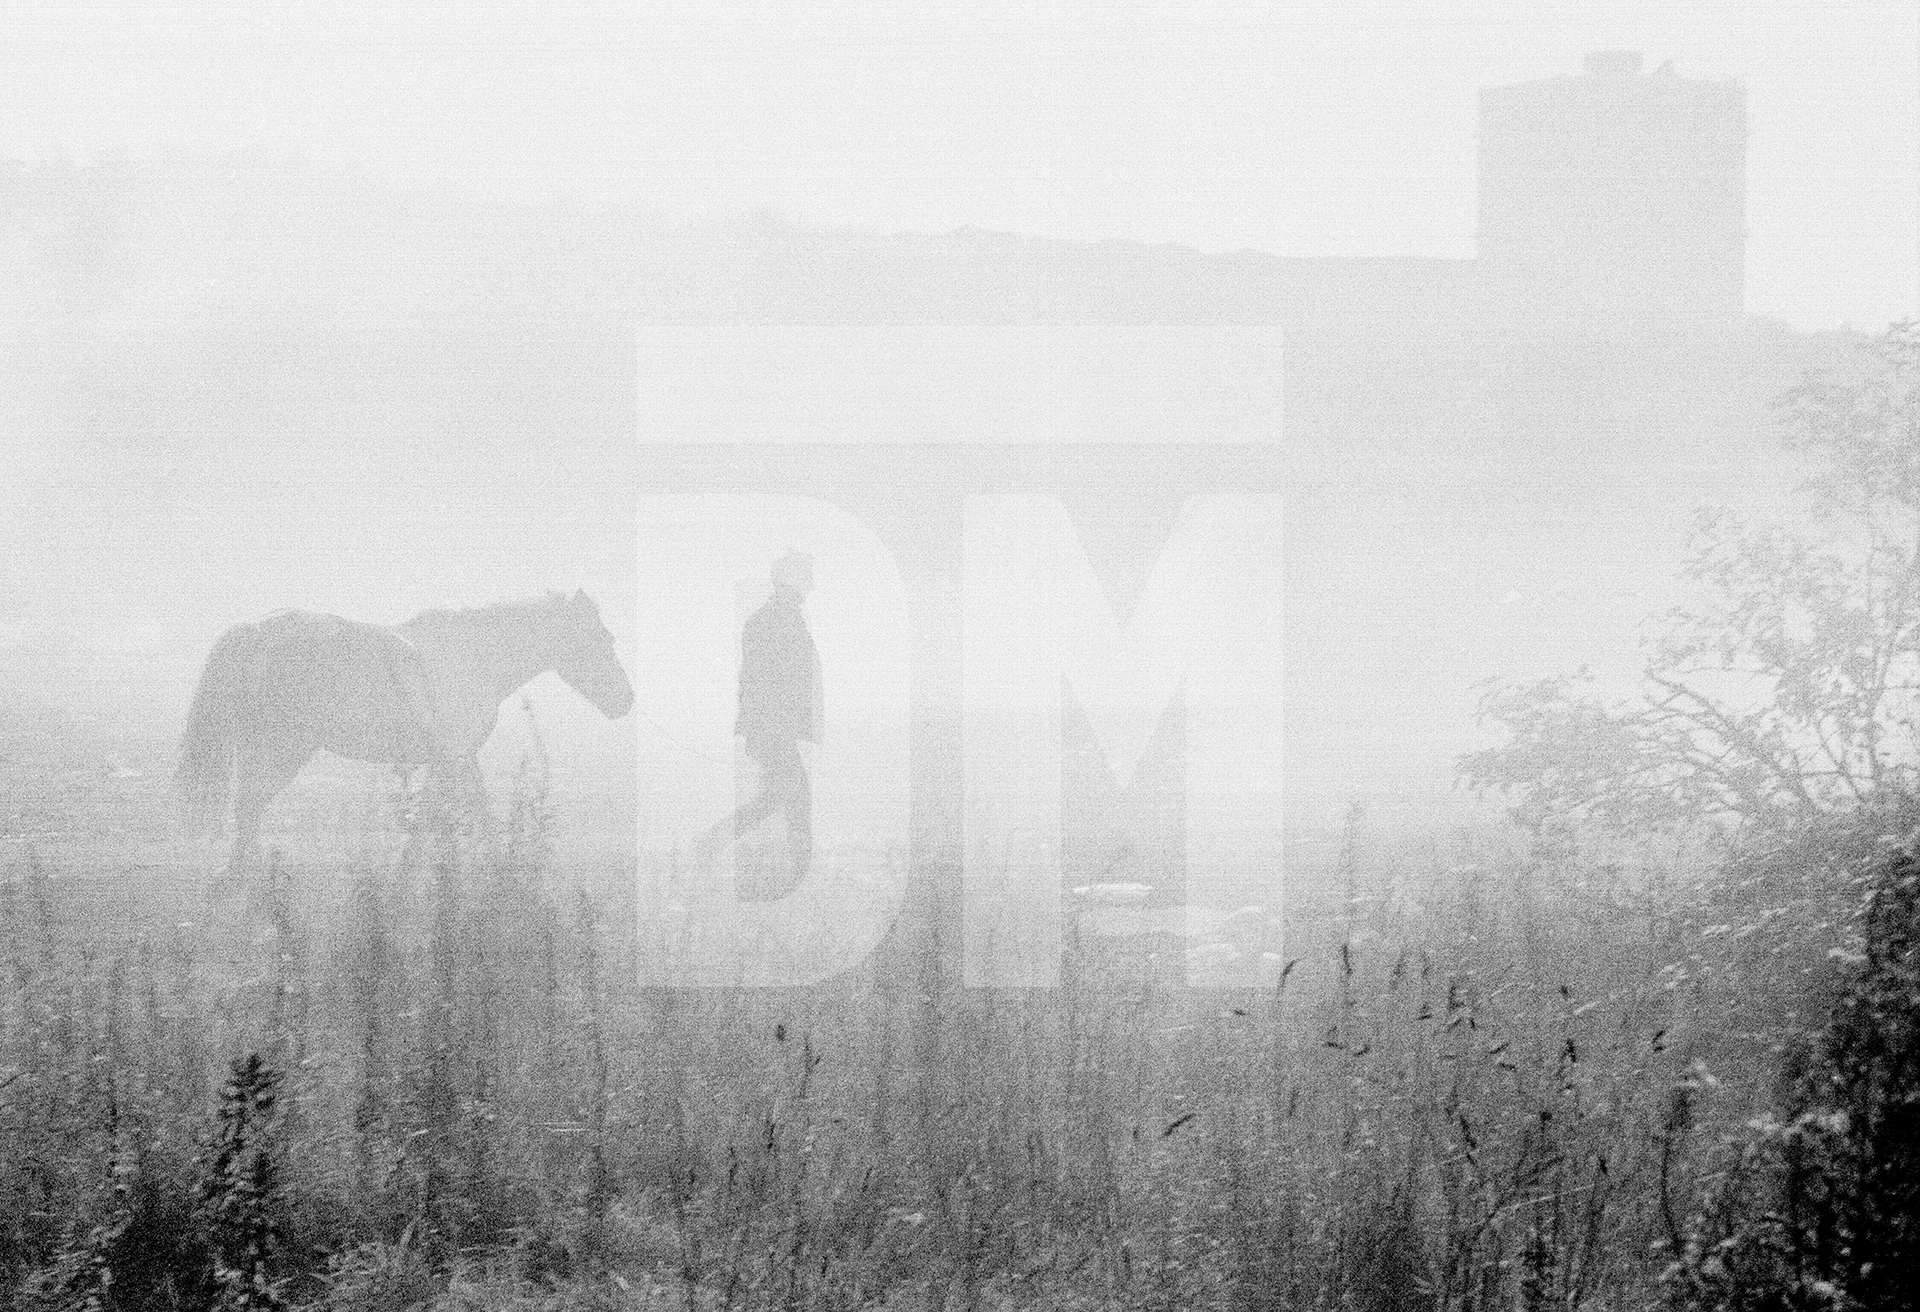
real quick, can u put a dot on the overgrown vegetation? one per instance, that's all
(1785, 694)
(442, 1082)
(1819, 1206)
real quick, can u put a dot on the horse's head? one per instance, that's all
(586, 660)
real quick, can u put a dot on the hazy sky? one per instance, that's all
(1310, 127)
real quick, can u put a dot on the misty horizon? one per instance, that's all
(1024, 657)
(1220, 130)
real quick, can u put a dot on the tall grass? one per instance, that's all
(1458, 1094)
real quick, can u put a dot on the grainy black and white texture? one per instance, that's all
(1016, 656)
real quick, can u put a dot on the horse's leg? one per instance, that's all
(419, 798)
(262, 772)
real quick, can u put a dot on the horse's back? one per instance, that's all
(353, 688)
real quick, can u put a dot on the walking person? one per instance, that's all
(780, 708)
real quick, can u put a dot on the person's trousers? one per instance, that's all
(784, 787)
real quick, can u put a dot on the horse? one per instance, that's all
(424, 693)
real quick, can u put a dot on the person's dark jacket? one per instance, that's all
(779, 674)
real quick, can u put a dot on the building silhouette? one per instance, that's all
(1616, 191)
(242, 305)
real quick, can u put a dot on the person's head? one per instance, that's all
(793, 573)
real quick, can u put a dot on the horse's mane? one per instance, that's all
(519, 608)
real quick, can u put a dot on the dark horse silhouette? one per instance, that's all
(422, 693)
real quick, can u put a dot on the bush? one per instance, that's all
(240, 1193)
(1821, 1209)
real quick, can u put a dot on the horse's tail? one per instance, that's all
(204, 775)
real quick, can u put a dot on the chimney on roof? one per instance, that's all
(1612, 63)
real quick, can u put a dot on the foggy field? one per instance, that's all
(1102, 718)
(1458, 1089)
